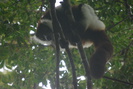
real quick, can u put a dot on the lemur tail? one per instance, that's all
(103, 52)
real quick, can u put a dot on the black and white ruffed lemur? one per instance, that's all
(90, 29)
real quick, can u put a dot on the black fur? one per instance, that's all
(103, 46)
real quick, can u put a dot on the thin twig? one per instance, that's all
(117, 80)
(110, 27)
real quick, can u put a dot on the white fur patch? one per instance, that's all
(90, 18)
(59, 8)
(87, 44)
(46, 43)
(47, 22)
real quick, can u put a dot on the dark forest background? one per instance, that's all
(27, 65)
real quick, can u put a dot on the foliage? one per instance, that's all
(27, 64)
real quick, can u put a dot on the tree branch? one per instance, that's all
(64, 44)
(70, 17)
(56, 26)
(73, 68)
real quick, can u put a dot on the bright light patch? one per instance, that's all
(81, 78)
(40, 84)
(29, 71)
(43, 86)
(64, 68)
(1, 70)
(5, 70)
(32, 32)
(33, 47)
(14, 67)
(20, 71)
(58, 2)
(23, 79)
(18, 23)
(109, 68)
(10, 84)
